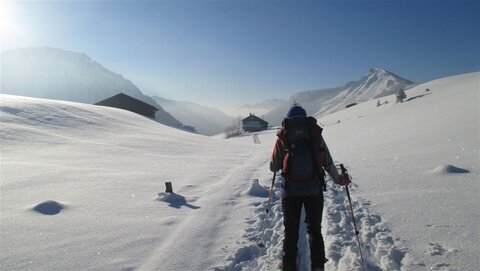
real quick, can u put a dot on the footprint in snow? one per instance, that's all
(440, 266)
(436, 249)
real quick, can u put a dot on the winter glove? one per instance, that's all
(338, 180)
(345, 180)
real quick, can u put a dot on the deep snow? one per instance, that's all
(99, 175)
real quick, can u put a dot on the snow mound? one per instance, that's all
(257, 190)
(448, 169)
(175, 200)
(49, 207)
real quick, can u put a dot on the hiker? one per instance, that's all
(401, 96)
(302, 155)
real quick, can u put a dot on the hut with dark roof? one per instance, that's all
(253, 123)
(123, 101)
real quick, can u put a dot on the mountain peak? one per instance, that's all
(377, 83)
(378, 71)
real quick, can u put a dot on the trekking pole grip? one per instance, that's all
(346, 177)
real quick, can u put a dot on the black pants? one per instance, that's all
(292, 211)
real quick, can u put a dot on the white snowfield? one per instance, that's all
(82, 188)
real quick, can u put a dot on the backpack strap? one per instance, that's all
(319, 162)
(320, 155)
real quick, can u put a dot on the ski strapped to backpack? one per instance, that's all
(304, 159)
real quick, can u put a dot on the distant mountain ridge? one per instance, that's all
(265, 104)
(206, 120)
(376, 84)
(58, 74)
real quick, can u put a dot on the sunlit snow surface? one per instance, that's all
(98, 175)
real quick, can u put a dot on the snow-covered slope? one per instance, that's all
(206, 120)
(82, 188)
(417, 167)
(105, 167)
(63, 75)
(377, 83)
(402, 155)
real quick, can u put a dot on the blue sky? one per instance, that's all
(225, 53)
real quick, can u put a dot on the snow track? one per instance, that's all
(205, 232)
(261, 244)
(381, 251)
(262, 241)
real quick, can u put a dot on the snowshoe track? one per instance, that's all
(381, 251)
(262, 241)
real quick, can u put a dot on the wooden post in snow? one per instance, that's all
(168, 187)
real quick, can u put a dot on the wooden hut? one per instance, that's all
(253, 123)
(123, 101)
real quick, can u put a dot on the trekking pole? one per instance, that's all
(346, 175)
(270, 193)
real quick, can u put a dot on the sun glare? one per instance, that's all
(8, 27)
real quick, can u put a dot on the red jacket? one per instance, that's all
(278, 155)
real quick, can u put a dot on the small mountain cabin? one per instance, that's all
(189, 128)
(350, 105)
(253, 123)
(123, 101)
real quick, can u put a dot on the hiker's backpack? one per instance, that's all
(302, 164)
